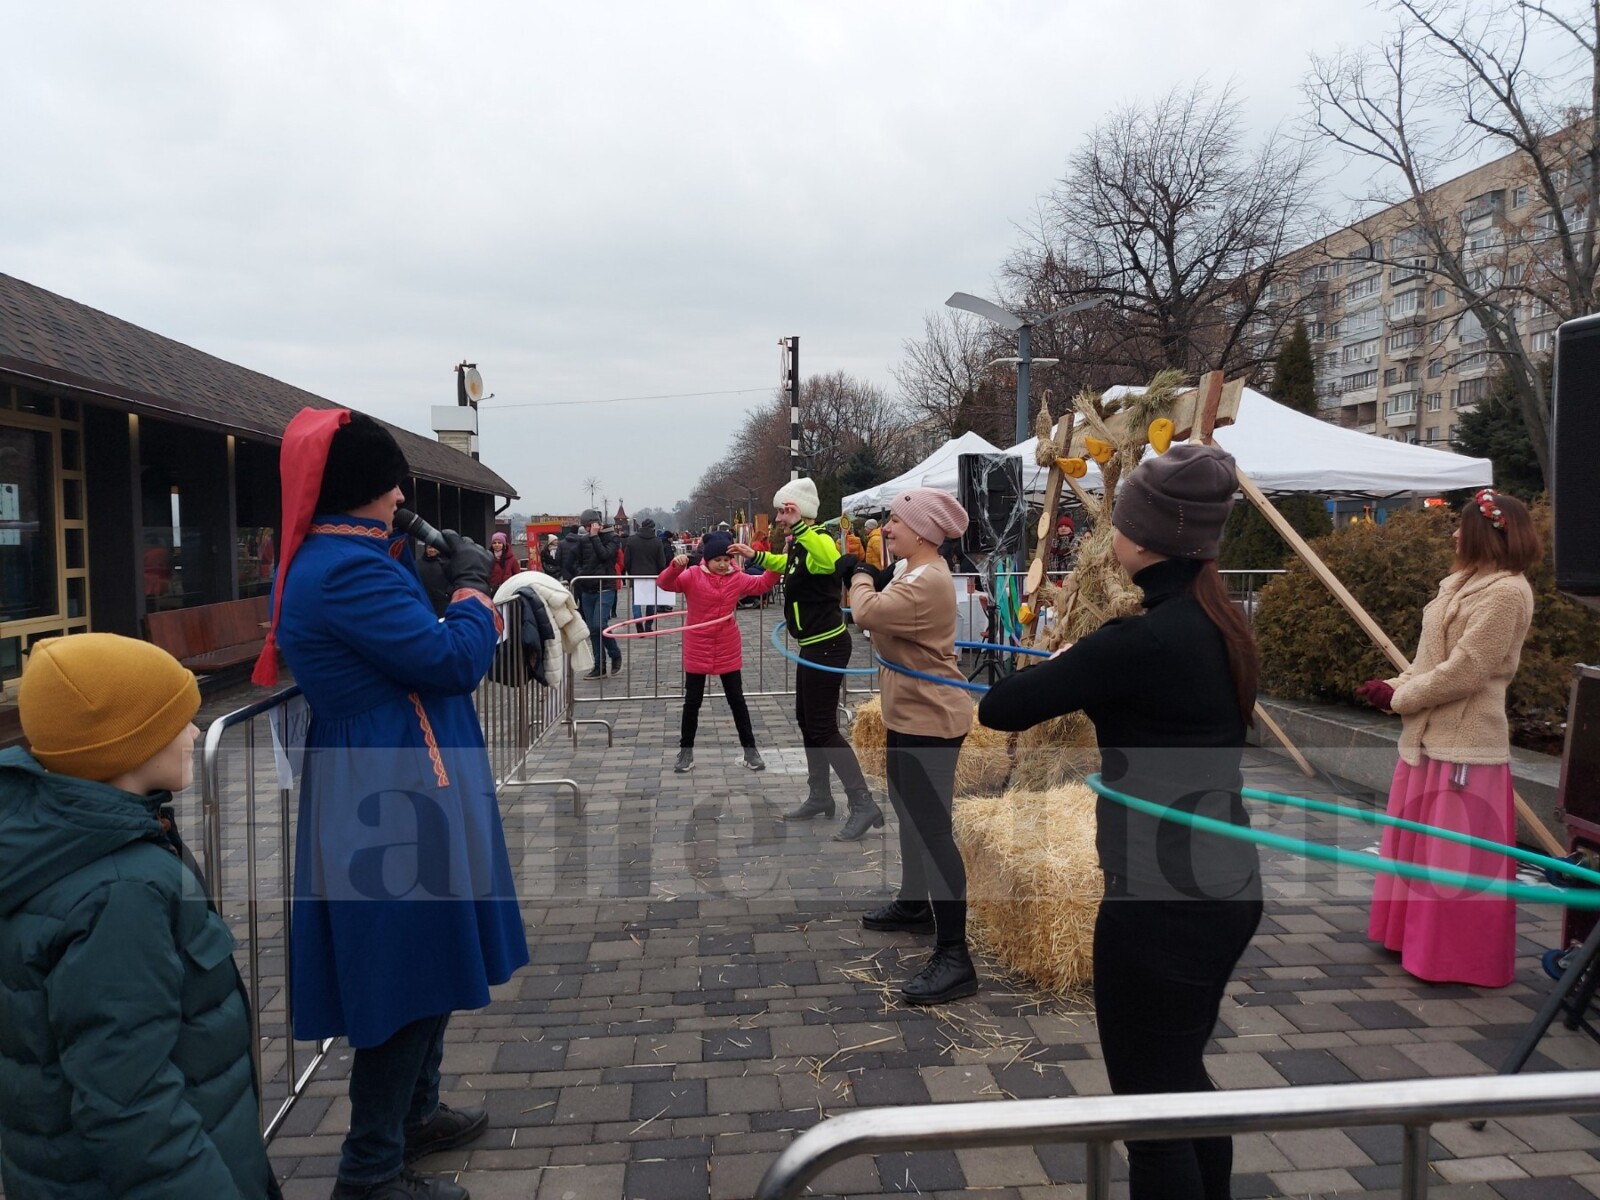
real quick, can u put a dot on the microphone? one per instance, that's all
(407, 522)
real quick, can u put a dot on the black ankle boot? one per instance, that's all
(947, 975)
(900, 916)
(864, 814)
(814, 806)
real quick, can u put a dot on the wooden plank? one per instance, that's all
(1209, 400)
(1046, 527)
(1187, 408)
(1306, 768)
(1551, 843)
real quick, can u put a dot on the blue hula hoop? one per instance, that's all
(777, 644)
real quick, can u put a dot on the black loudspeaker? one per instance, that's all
(990, 489)
(1574, 444)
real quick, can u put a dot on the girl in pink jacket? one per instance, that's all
(713, 589)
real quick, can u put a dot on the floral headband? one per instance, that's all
(1489, 505)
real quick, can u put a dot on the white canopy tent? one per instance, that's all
(1285, 451)
(938, 470)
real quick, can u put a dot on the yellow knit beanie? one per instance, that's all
(96, 705)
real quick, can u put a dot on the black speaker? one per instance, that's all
(1574, 475)
(990, 489)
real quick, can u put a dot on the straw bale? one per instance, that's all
(868, 736)
(1033, 881)
(984, 764)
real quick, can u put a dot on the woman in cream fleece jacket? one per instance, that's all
(1455, 753)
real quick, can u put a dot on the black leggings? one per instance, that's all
(816, 711)
(1160, 967)
(922, 785)
(694, 691)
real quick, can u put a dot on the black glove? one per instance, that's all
(466, 564)
(882, 577)
(846, 566)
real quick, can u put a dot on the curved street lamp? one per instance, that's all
(1022, 325)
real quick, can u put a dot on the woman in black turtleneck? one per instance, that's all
(1171, 694)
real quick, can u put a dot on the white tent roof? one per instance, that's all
(1282, 450)
(938, 470)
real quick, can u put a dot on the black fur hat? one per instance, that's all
(364, 462)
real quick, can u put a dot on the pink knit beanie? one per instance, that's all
(930, 514)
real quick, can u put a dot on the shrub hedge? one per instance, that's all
(1311, 649)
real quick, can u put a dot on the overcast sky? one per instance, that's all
(591, 200)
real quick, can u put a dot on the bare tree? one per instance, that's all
(840, 416)
(1169, 214)
(1452, 83)
(944, 377)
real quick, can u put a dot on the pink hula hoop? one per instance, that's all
(610, 630)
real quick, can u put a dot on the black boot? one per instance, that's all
(947, 975)
(864, 814)
(814, 806)
(900, 916)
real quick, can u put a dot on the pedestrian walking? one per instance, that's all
(1455, 753)
(589, 563)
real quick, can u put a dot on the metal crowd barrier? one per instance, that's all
(515, 712)
(1097, 1121)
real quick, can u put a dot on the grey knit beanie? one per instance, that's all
(1176, 504)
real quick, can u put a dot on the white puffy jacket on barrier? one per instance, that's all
(562, 606)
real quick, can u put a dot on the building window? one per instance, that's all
(1436, 368)
(1542, 342)
(1360, 381)
(1404, 305)
(1362, 288)
(1433, 434)
(1405, 402)
(1436, 331)
(27, 525)
(1519, 196)
(1391, 376)
(1435, 400)
(1413, 371)
(1439, 297)
(1403, 340)
(1470, 392)
(1361, 351)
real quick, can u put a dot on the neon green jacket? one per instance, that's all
(810, 586)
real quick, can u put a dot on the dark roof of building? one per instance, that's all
(83, 350)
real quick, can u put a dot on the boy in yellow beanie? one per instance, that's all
(124, 1029)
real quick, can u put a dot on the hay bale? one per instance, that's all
(982, 769)
(1056, 752)
(1033, 882)
(868, 736)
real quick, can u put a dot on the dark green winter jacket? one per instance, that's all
(124, 1034)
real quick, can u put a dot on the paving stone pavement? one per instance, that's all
(701, 990)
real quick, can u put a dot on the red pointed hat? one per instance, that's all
(301, 461)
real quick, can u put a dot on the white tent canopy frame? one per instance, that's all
(1281, 450)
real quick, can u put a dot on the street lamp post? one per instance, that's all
(1022, 324)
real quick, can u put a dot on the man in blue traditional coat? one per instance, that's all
(404, 906)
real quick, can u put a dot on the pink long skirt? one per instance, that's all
(1449, 934)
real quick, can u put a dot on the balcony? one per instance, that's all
(1401, 420)
(1369, 427)
(1359, 396)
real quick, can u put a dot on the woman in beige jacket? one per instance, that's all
(913, 624)
(1454, 769)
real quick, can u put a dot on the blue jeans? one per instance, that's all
(393, 1087)
(648, 610)
(596, 609)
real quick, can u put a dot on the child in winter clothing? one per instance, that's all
(713, 589)
(124, 1029)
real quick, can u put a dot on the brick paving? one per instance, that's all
(701, 990)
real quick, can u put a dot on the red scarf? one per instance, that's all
(301, 460)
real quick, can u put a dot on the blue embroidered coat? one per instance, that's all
(404, 901)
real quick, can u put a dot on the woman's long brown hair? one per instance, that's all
(1212, 595)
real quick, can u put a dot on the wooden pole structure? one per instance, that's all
(1046, 528)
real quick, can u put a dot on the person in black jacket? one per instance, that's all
(1171, 694)
(645, 554)
(589, 563)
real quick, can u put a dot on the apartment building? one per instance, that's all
(1398, 355)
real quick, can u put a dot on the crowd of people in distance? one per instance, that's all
(125, 1034)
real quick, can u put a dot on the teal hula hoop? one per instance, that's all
(1361, 861)
(777, 644)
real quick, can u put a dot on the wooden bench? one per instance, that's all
(211, 637)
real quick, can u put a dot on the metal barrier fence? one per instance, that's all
(246, 759)
(1097, 1121)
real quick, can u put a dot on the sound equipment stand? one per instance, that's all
(990, 662)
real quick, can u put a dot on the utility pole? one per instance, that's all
(791, 380)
